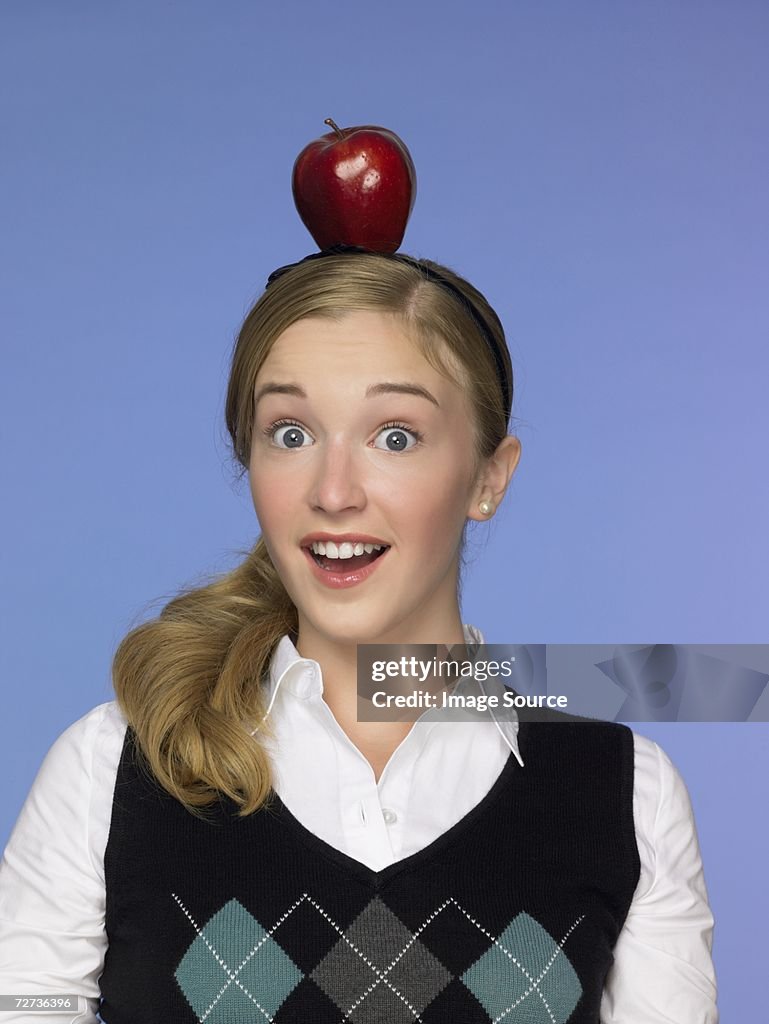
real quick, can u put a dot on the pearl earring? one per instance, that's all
(485, 507)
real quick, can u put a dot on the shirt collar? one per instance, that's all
(290, 673)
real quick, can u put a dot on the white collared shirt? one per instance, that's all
(52, 894)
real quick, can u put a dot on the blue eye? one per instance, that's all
(396, 437)
(288, 434)
(293, 433)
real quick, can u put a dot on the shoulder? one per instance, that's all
(661, 805)
(89, 744)
(651, 762)
(52, 891)
(548, 735)
(74, 786)
(659, 786)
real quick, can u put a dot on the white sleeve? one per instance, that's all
(52, 896)
(663, 969)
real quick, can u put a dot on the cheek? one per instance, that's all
(435, 511)
(272, 495)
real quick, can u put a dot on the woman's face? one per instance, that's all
(340, 446)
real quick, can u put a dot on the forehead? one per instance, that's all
(361, 341)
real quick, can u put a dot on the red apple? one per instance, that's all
(355, 186)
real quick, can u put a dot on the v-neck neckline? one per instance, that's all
(378, 879)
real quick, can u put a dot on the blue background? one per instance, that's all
(598, 169)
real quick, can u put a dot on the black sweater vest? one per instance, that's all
(508, 917)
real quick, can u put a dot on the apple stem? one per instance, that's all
(336, 127)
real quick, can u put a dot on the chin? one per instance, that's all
(351, 628)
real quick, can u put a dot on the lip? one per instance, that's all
(340, 538)
(342, 580)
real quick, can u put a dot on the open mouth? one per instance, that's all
(346, 565)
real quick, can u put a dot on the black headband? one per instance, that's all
(429, 274)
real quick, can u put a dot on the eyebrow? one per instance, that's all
(385, 388)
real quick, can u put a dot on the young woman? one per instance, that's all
(228, 842)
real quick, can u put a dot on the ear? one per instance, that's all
(494, 478)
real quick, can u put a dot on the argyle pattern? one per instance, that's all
(376, 969)
(509, 917)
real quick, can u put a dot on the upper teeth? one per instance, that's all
(344, 550)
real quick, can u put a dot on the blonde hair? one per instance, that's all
(190, 681)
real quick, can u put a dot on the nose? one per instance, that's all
(337, 484)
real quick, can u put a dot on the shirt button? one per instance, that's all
(389, 816)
